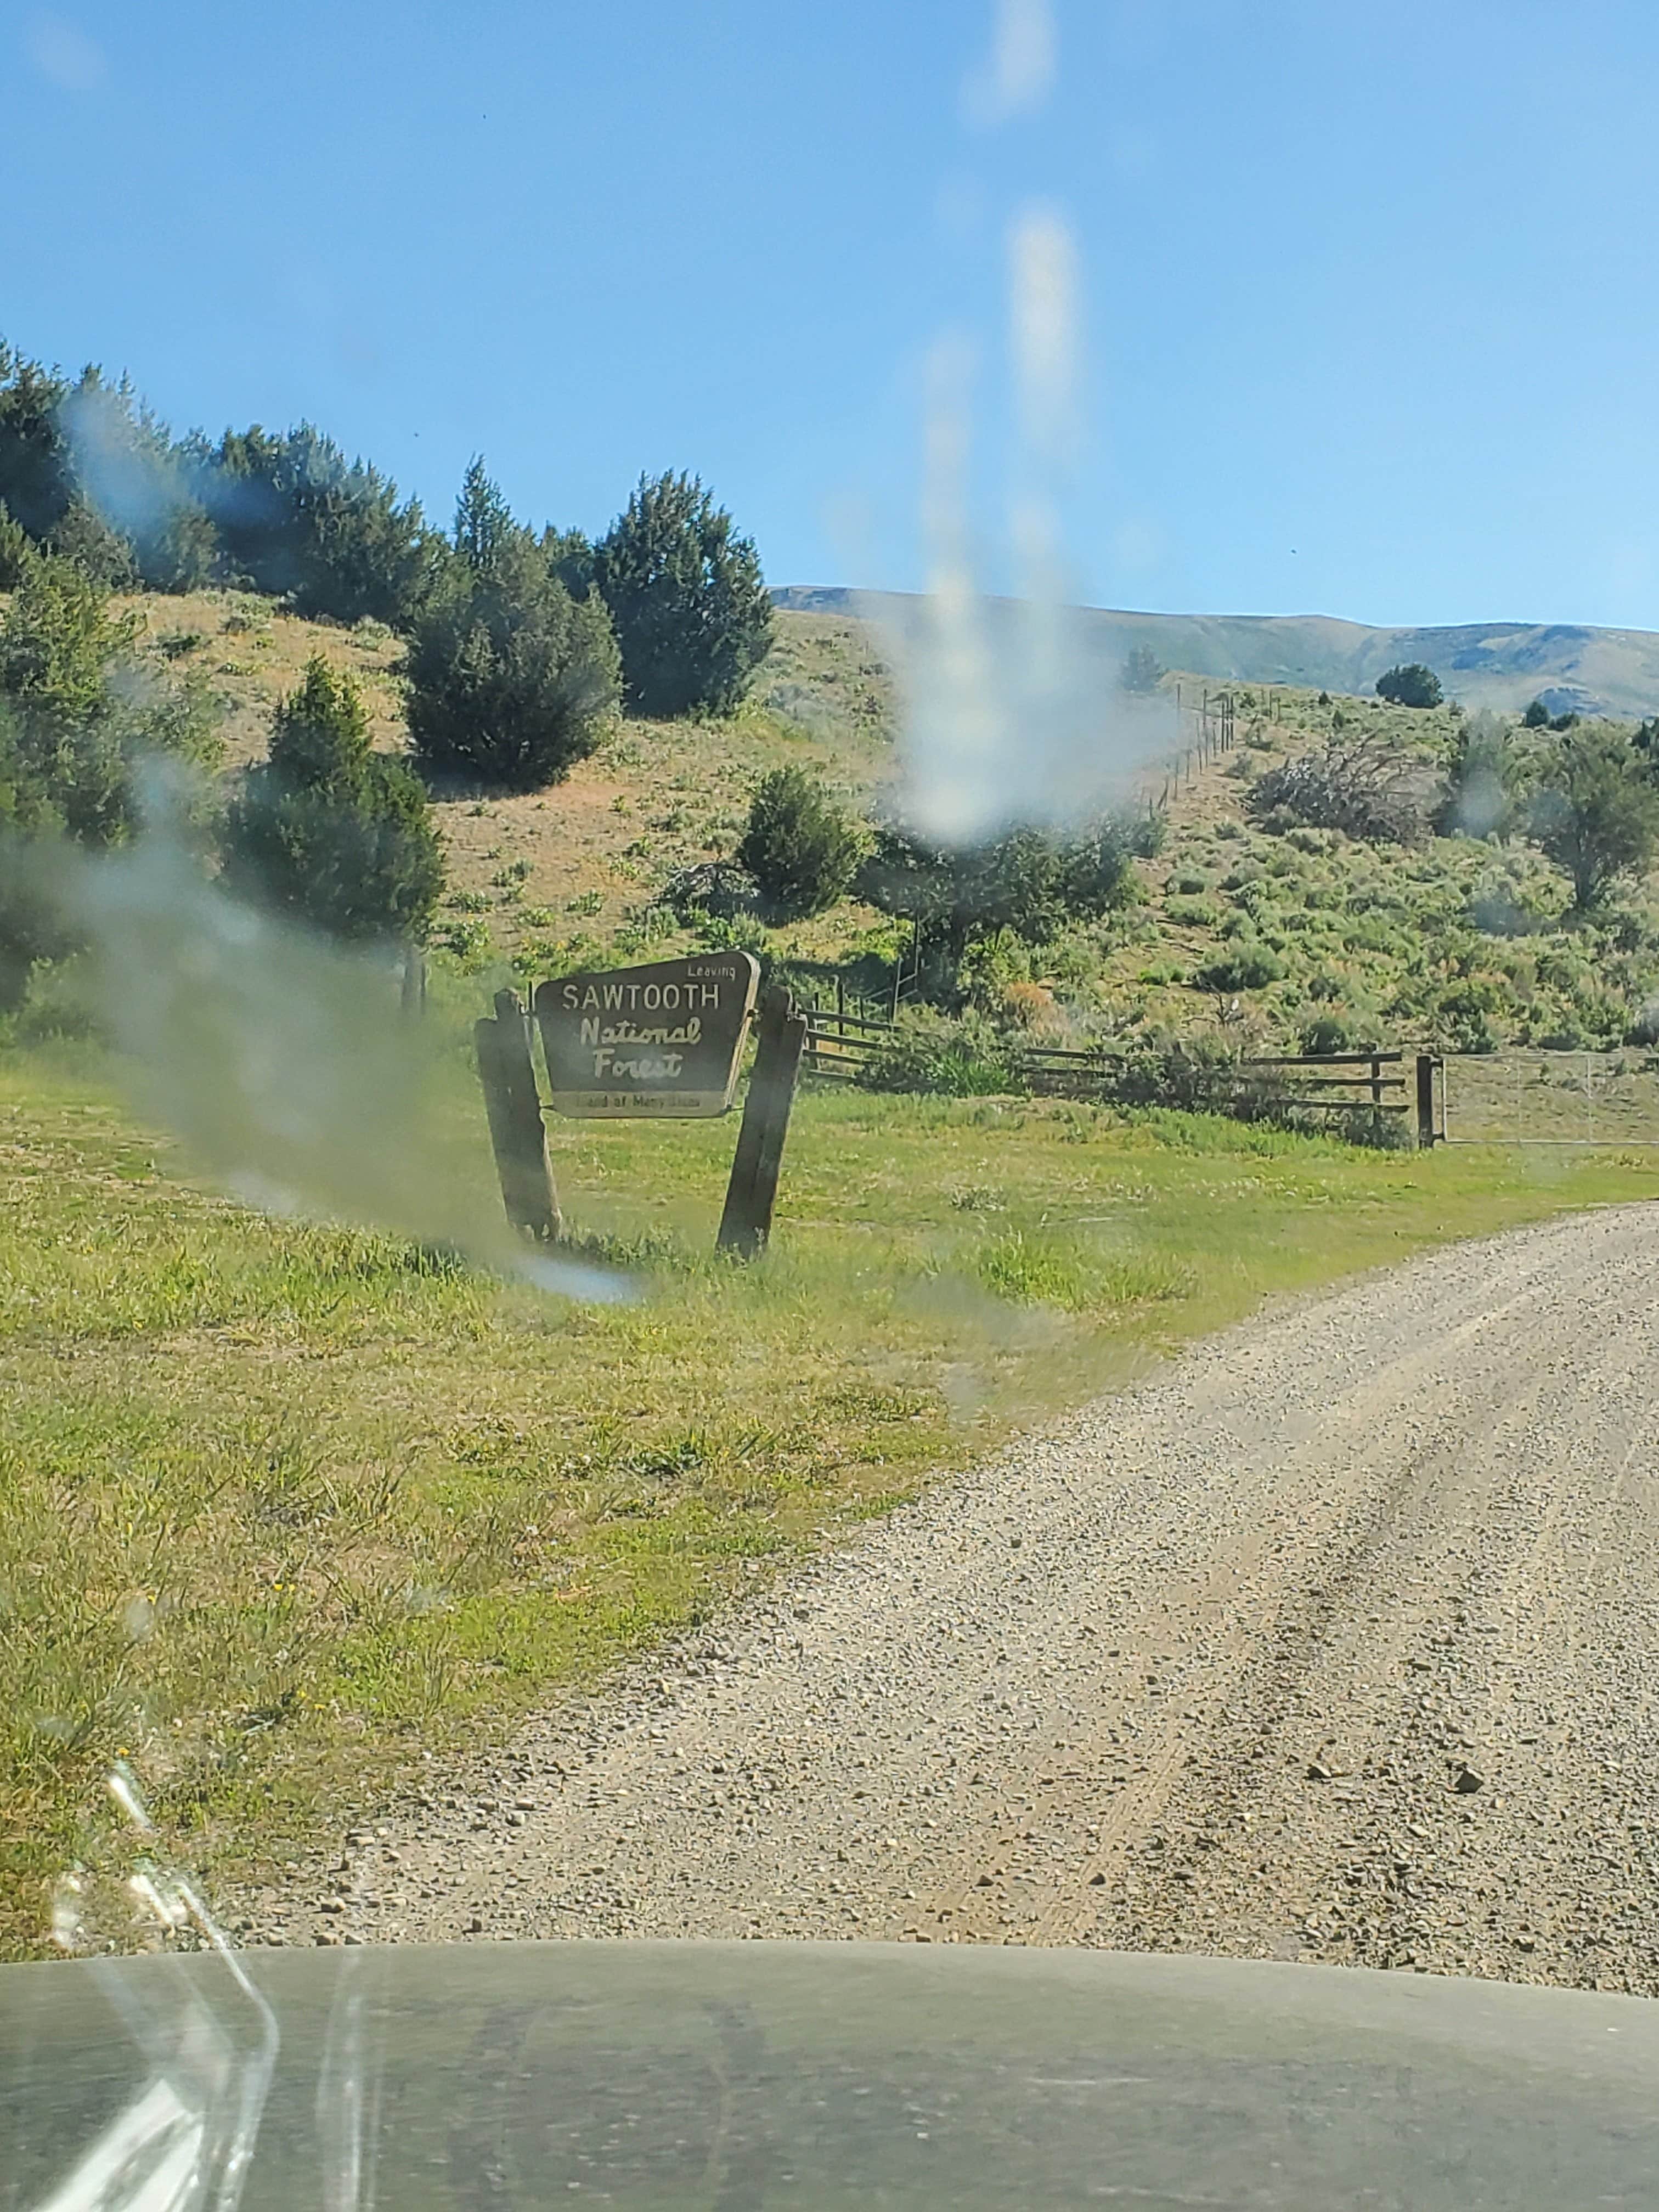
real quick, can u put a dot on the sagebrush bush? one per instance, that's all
(1248, 967)
(925, 1051)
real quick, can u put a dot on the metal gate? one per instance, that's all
(1533, 1096)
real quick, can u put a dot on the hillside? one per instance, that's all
(1453, 943)
(583, 859)
(1500, 664)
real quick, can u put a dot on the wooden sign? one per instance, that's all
(662, 1039)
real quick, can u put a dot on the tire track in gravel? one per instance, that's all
(1338, 1638)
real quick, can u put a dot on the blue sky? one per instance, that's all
(1368, 301)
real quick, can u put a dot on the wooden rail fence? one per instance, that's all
(841, 1046)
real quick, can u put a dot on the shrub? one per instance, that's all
(1463, 1017)
(510, 679)
(1143, 670)
(924, 1051)
(1484, 780)
(1536, 716)
(690, 608)
(1343, 1025)
(328, 831)
(991, 967)
(1193, 912)
(469, 942)
(1410, 683)
(1366, 790)
(799, 846)
(1032, 881)
(1498, 908)
(1247, 967)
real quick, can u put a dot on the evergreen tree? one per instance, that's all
(14, 549)
(56, 646)
(799, 846)
(78, 720)
(484, 521)
(30, 931)
(1142, 672)
(686, 594)
(510, 678)
(569, 554)
(87, 472)
(327, 830)
(1410, 683)
(37, 479)
(102, 555)
(297, 520)
(134, 484)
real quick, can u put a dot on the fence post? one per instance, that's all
(746, 1222)
(1424, 1099)
(412, 990)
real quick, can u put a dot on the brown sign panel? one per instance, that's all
(662, 1039)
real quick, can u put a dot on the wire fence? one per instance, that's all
(1535, 1096)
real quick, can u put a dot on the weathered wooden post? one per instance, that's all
(517, 1133)
(1425, 1099)
(780, 1035)
(412, 992)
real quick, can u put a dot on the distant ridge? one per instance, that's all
(1502, 665)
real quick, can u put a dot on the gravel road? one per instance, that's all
(1337, 1639)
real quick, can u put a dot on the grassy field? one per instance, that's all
(289, 1504)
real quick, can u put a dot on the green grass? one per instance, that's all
(288, 1504)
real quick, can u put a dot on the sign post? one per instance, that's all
(518, 1135)
(746, 1222)
(662, 1042)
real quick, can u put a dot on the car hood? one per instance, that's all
(748, 2075)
